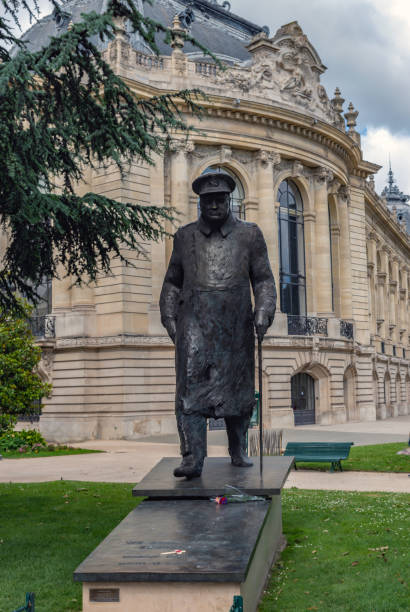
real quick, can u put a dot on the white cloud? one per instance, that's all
(377, 145)
(366, 46)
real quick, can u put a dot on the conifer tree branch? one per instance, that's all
(63, 109)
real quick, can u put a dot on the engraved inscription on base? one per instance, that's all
(105, 595)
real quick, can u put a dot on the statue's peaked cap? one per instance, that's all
(213, 182)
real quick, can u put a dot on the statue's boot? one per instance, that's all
(236, 428)
(189, 468)
(192, 434)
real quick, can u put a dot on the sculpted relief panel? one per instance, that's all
(283, 69)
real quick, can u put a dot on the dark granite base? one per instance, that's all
(217, 543)
(217, 472)
(185, 552)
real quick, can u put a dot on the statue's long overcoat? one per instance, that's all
(207, 291)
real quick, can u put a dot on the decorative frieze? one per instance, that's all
(268, 157)
(120, 340)
(323, 175)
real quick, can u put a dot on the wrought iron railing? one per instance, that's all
(306, 326)
(43, 326)
(346, 329)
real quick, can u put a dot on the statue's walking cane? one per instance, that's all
(260, 404)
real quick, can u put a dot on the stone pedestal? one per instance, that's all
(180, 551)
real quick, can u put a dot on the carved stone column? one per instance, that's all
(395, 299)
(323, 268)
(385, 254)
(180, 190)
(158, 249)
(381, 322)
(392, 308)
(371, 267)
(267, 217)
(345, 267)
(309, 220)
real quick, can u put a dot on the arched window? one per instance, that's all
(237, 196)
(44, 305)
(292, 250)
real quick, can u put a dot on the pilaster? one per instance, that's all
(158, 254)
(268, 210)
(323, 268)
(345, 255)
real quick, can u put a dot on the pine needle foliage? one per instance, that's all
(63, 109)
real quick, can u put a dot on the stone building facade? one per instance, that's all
(339, 346)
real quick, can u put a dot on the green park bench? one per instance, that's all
(319, 451)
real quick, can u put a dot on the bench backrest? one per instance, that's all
(318, 448)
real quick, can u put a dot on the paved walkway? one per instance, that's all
(373, 432)
(129, 461)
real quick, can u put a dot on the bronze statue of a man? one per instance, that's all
(206, 309)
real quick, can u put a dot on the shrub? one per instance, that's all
(7, 423)
(22, 441)
(20, 384)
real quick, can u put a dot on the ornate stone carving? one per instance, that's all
(182, 146)
(344, 193)
(243, 157)
(47, 359)
(351, 117)
(187, 17)
(323, 175)
(334, 186)
(177, 33)
(285, 68)
(337, 104)
(268, 157)
(297, 169)
(203, 151)
(225, 154)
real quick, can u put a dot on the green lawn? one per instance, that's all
(347, 552)
(57, 452)
(372, 458)
(47, 529)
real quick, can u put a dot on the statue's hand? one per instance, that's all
(262, 322)
(171, 328)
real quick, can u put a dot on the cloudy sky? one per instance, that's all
(365, 45)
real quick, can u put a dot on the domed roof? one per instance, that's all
(212, 24)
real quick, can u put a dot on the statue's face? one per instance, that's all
(214, 207)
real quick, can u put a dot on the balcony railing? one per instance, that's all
(346, 329)
(206, 68)
(306, 326)
(43, 326)
(150, 62)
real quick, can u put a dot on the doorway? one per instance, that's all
(303, 399)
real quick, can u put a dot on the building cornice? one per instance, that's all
(275, 116)
(386, 221)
